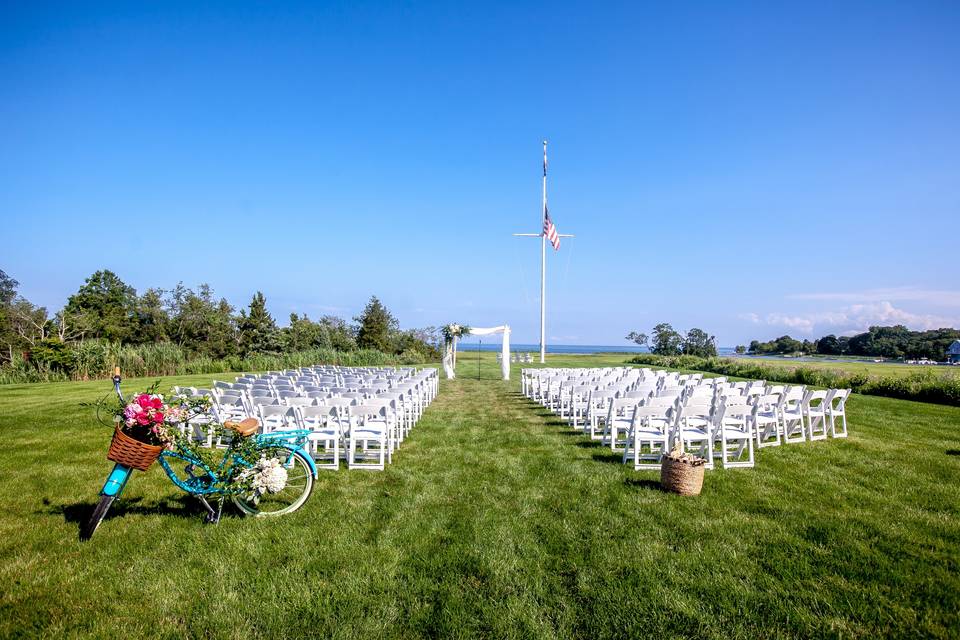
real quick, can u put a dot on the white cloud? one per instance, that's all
(852, 319)
(940, 297)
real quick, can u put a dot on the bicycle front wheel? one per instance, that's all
(294, 493)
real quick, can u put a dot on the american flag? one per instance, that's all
(550, 231)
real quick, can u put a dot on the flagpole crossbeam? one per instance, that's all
(529, 235)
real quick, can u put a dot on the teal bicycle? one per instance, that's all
(238, 473)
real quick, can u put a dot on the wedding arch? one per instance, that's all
(452, 334)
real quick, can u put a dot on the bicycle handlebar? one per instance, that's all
(116, 383)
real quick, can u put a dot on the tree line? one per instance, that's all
(107, 309)
(664, 340)
(887, 342)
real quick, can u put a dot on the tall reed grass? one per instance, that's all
(96, 359)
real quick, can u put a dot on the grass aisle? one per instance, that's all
(495, 520)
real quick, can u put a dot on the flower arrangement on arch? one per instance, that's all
(454, 330)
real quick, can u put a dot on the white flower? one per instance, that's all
(265, 476)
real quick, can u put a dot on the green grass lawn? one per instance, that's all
(873, 369)
(495, 520)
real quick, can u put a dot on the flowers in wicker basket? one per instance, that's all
(149, 418)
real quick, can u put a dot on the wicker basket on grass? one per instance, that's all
(681, 472)
(132, 453)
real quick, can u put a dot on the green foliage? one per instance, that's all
(640, 338)
(258, 333)
(669, 342)
(783, 344)
(923, 386)
(8, 288)
(201, 323)
(105, 307)
(183, 330)
(699, 343)
(54, 355)
(666, 341)
(877, 342)
(375, 325)
(740, 349)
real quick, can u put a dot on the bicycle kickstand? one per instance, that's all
(213, 515)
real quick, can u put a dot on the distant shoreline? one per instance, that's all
(566, 349)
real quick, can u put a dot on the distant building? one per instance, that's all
(953, 352)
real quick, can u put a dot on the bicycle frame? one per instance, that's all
(292, 441)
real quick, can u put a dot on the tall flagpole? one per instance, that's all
(543, 264)
(543, 260)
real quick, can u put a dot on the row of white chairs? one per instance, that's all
(644, 412)
(516, 357)
(363, 423)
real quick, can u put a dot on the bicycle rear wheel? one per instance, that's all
(99, 513)
(293, 495)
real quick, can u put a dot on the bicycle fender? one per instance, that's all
(117, 480)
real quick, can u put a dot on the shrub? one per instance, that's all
(923, 386)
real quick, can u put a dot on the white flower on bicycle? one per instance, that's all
(266, 476)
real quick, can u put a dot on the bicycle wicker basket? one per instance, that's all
(132, 453)
(681, 476)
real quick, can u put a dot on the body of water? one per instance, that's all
(494, 345)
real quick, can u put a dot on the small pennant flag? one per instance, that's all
(550, 231)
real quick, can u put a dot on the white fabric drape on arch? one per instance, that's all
(448, 357)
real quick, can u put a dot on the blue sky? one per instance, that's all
(746, 168)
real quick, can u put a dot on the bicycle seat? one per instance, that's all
(245, 428)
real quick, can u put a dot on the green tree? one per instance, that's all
(640, 338)
(107, 305)
(699, 343)
(8, 291)
(828, 345)
(337, 334)
(200, 323)
(22, 324)
(152, 318)
(258, 333)
(8, 288)
(740, 349)
(302, 333)
(376, 325)
(666, 341)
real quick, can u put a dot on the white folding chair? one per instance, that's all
(694, 426)
(619, 419)
(790, 411)
(369, 425)
(765, 420)
(276, 418)
(325, 437)
(814, 408)
(650, 428)
(837, 412)
(732, 427)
